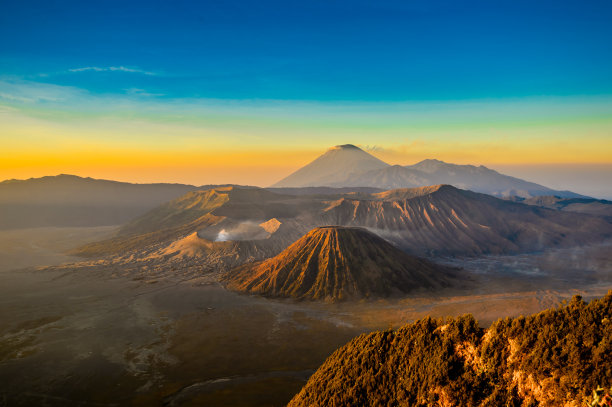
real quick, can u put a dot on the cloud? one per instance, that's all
(7, 109)
(88, 68)
(111, 69)
(141, 92)
(372, 148)
(16, 98)
(20, 91)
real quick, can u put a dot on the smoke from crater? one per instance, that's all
(223, 236)
(243, 231)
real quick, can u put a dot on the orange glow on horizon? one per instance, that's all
(261, 168)
(198, 168)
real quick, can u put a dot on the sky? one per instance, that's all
(248, 91)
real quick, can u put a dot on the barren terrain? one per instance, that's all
(142, 337)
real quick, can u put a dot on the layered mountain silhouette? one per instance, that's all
(481, 179)
(349, 166)
(427, 221)
(226, 223)
(338, 263)
(68, 200)
(599, 207)
(444, 220)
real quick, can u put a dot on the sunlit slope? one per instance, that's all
(432, 220)
(206, 211)
(445, 220)
(339, 263)
(181, 211)
(554, 358)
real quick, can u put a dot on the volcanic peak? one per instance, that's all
(338, 263)
(345, 147)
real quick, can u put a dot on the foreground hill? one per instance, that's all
(554, 358)
(349, 166)
(338, 263)
(68, 200)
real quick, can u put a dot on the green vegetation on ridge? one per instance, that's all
(556, 357)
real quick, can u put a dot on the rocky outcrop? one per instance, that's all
(555, 358)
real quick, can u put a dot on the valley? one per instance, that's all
(235, 295)
(140, 338)
(305, 204)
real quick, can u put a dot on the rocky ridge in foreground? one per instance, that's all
(553, 358)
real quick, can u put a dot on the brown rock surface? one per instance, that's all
(338, 263)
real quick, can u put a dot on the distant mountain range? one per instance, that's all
(68, 200)
(598, 207)
(227, 227)
(444, 220)
(349, 166)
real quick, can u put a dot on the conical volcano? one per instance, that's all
(339, 263)
(334, 167)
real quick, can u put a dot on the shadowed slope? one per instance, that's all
(433, 220)
(481, 179)
(68, 200)
(333, 167)
(445, 220)
(338, 263)
(180, 211)
(241, 213)
(181, 217)
(598, 207)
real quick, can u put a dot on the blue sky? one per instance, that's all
(313, 50)
(248, 91)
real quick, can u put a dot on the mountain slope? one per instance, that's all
(338, 263)
(432, 172)
(482, 179)
(554, 358)
(348, 166)
(68, 200)
(333, 167)
(444, 220)
(426, 221)
(598, 207)
(391, 177)
(236, 213)
(182, 210)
